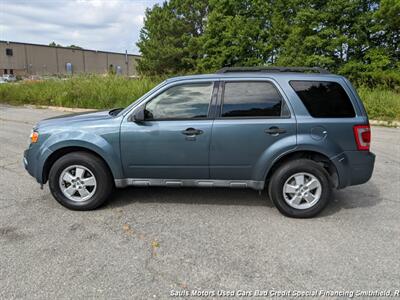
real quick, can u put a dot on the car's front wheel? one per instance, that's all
(300, 188)
(80, 181)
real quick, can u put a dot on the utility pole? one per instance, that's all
(127, 62)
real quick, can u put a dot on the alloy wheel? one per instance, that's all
(77, 183)
(302, 190)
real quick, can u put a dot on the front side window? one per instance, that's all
(186, 101)
(251, 99)
(324, 99)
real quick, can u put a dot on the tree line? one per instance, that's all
(350, 37)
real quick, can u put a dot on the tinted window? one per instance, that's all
(186, 101)
(251, 99)
(324, 99)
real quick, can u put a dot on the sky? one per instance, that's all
(108, 25)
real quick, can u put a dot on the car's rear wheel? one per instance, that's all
(80, 181)
(300, 188)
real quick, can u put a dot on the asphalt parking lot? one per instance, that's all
(146, 243)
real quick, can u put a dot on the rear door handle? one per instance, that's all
(192, 131)
(275, 130)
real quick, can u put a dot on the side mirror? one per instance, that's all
(139, 115)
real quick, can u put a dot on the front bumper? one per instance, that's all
(25, 161)
(33, 163)
(354, 167)
(28, 164)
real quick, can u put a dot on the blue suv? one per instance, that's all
(297, 132)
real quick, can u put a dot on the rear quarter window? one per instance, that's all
(324, 99)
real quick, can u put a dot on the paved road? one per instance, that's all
(147, 242)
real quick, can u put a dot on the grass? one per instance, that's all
(89, 91)
(381, 104)
(94, 91)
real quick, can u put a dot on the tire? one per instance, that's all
(297, 200)
(84, 177)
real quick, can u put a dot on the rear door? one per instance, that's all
(253, 125)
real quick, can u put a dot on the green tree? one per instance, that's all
(388, 29)
(345, 36)
(53, 44)
(168, 40)
(74, 47)
(329, 33)
(234, 34)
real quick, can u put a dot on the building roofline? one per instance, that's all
(68, 48)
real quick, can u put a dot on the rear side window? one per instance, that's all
(251, 99)
(324, 99)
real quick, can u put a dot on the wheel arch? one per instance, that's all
(53, 157)
(318, 157)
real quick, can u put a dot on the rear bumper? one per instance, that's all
(354, 167)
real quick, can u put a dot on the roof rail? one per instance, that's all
(273, 69)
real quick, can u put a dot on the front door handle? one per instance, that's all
(275, 130)
(192, 131)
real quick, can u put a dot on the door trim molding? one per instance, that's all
(257, 185)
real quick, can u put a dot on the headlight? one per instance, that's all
(34, 137)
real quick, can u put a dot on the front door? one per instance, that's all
(173, 142)
(253, 120)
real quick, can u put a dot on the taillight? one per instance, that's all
(362, 134)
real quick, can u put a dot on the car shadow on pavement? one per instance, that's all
(189, 195)
(349, 198)
(353, 197)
